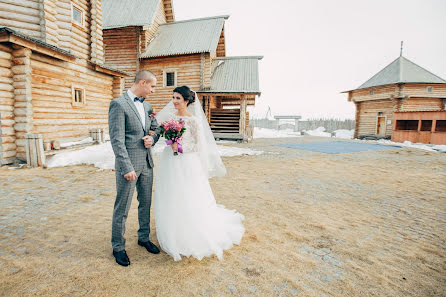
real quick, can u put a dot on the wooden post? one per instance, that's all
(35, 155)
(357, 118)
(242, 125)
(97, 135)
(23, 107)
(296, 125)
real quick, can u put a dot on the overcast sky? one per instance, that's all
(315, 49)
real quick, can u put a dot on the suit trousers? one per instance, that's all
(124, 195)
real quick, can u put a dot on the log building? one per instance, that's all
(189, 52)
(52, 78)
(62, 61)
(403, 101)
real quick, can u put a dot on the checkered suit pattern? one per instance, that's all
(126, 133)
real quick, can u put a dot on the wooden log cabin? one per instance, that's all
(399, 93)
(190, 52)
(52, 78)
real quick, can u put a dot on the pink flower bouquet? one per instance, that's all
(172, 131)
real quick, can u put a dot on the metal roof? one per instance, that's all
(402, 70)
(235, 75)
(38, 41)
(186, 37)
(124, 13)
(55, 48)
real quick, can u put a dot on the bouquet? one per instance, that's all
(172, 131)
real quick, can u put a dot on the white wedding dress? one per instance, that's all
(188, 220)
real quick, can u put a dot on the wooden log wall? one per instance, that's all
(97, 42)
(80, 35)
(7, 134)
(54, 115)
(168, 11)
(420, 90)
(63, 22)
(368, 113)
(221, 47)
(23, 106)
(147, 35)
(188, 69)
(51, 23)
(23, 16)
(422, 104)
(379, 93)
(121, 51)
(206, 69)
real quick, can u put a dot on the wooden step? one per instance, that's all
(224, 118)
(225, 121)
(224, 128)
(225, 131)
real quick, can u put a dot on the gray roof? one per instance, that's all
(402, 71)
(38, 41)
(235, 75)
(55, 48)
(186, 37)
(124, 13)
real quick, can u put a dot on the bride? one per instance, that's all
(188, 220)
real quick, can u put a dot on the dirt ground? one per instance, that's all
(358, 224)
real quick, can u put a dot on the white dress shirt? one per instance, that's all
(139, 106)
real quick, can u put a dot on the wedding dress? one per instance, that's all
(188, 220)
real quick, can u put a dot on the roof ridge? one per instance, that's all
(238, 57)
(199, 19)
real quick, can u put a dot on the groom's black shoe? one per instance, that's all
(150, 247)
(121, 258)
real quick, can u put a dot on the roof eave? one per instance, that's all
(9, 35)
(143, 56)
(109, 70)
(396, 83)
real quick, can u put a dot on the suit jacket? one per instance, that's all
(126, 133)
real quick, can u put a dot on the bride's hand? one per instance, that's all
(174, 147)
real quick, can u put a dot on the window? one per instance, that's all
(426, 125)
(407, 125)
(429, 89)
(380, 113)
(78, 94)
(77, 15)
(170, 78)
(372, 92)
(440, 126)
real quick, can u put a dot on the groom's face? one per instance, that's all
(148, 87)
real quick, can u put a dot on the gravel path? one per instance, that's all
(357, 224)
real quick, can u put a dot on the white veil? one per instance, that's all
(209, 155)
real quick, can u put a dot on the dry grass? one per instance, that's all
(363, 224)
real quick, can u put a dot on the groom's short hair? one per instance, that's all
(144, 75)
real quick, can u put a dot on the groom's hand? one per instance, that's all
(148, 141)
(130, 176)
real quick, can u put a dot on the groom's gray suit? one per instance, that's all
(126, 133)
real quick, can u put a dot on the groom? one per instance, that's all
(129, 126)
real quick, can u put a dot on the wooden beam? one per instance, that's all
(39, 48)
(108, 71)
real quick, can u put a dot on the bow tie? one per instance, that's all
(140, 99)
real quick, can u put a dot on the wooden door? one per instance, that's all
(381, 126)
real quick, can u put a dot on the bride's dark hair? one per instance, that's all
(187, 94)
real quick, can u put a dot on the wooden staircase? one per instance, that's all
(225, 121)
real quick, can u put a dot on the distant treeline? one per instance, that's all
(329, 124)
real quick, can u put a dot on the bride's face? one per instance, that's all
(178, 101)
